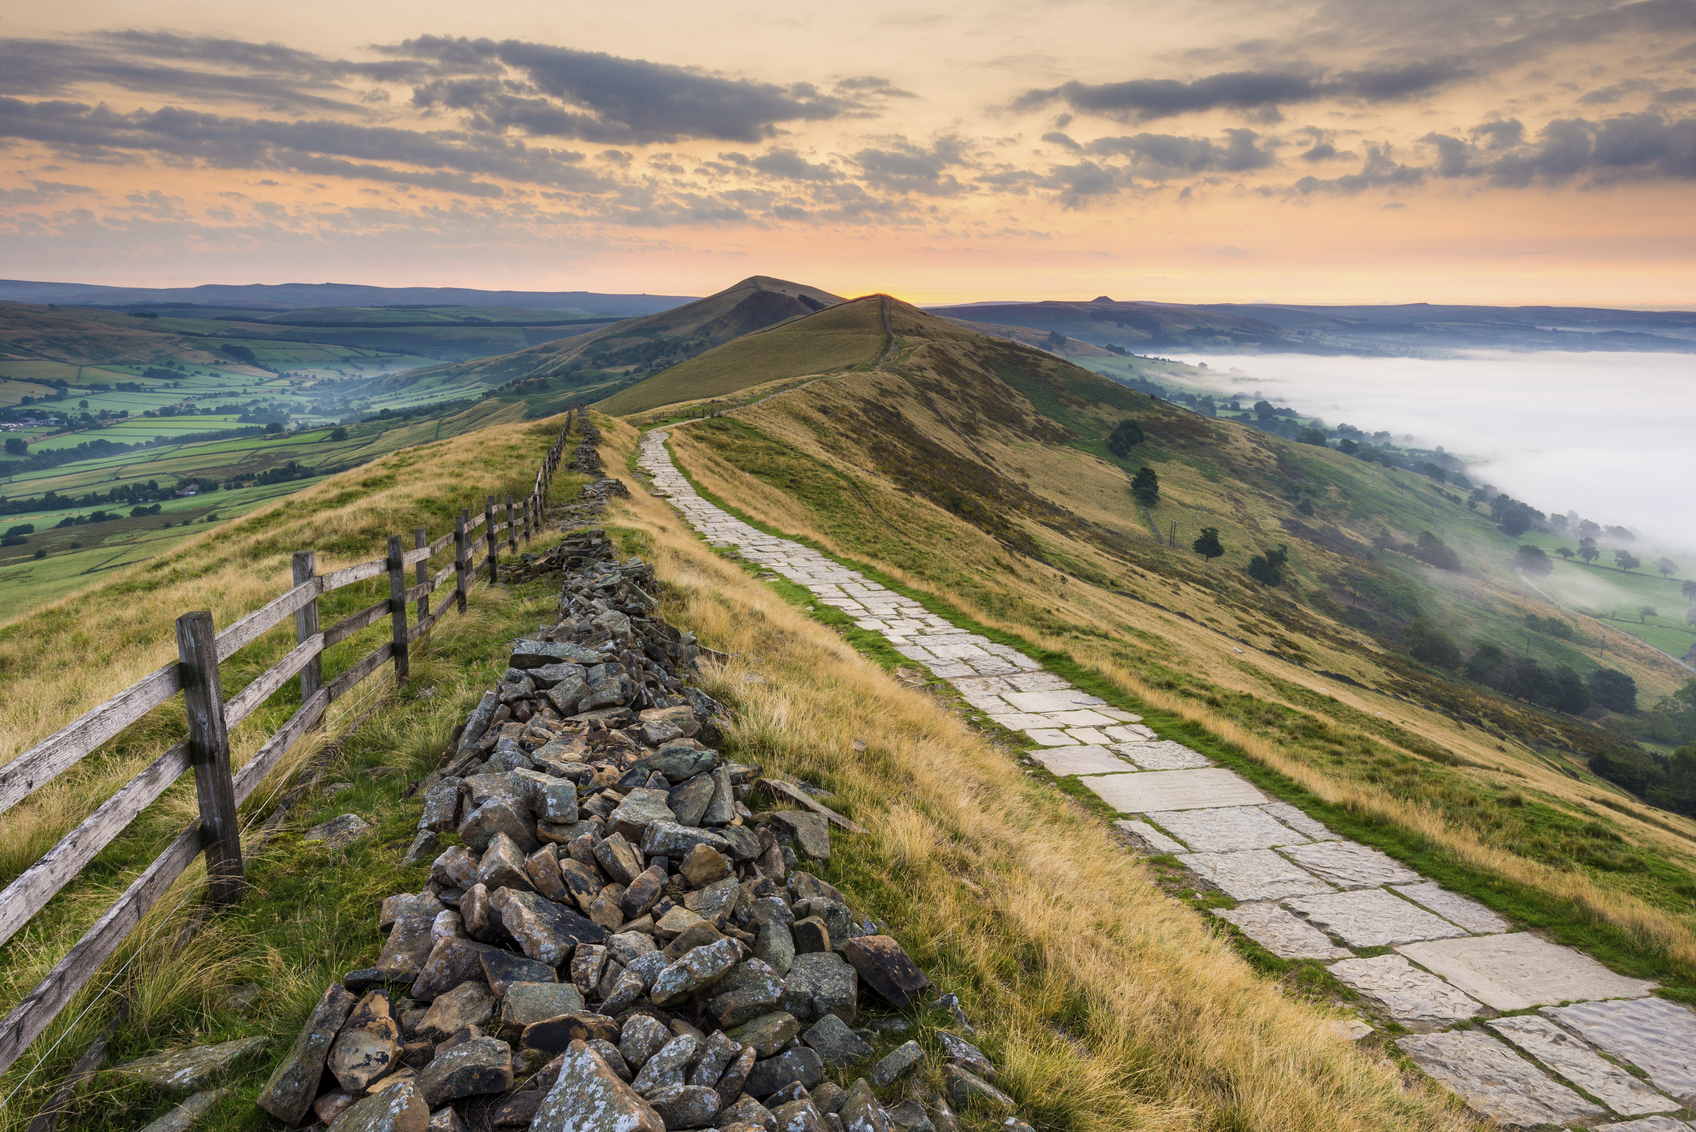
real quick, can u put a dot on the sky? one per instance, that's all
(1359, 151)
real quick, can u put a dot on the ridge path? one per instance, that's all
(1303, 893)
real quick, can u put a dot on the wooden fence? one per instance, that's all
(206, 749)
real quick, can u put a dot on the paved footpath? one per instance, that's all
(1302, 892)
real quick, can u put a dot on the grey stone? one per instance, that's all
(818, 984)
(679, 763)
(626, 947)
(529, 653)
(1657, 1036)
(1371, 918)
(368, 1046)
(503, 865)
(469, 1004)
(557, 801)
(967, 1089)
(886, 968)
(528, 1003)
(909, 1116)
(1647, 1124)
(589, 1097)
(588, 961)
(719, 1051)
(471, 1068)
(1282, 933)
(619, 858)
(399, 1108)
(502, 969)
(1581, 1065)
(688, 800)
(747, 1111)
(696, 971)
(966, 1055)
(633, 982)
(546, 931)
(609, 1054)
(451, 962)
(722, 809)
(640, 809)
(665, 1068)
(750, 989)
(340, 831)
(1495, 1081)
(768, 1033)
(1162, 754)
(715, 902)
(1226, 829)
(669, 839)
(641, 1038)
(425, 844)
(861, 1112)
(685, 1106)
(1351, 865)
(1452, 906)
(1308, 827)
(499, 815)
(294, 1083)
(455, 868)
(1156, 841)
(800, 1116)
(799, 1064)
(775, 946)
(1407, 994)
(812, 831)
(567, 693)
(184, 1116)
(441, 806)
(736, 1074)
(896, 1064)
(1087, 759)
(1512, 972)
(187, 1070)
(837, 1045)
(1173, 790)
(1253, 874)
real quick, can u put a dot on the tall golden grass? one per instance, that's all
(1110, 1005)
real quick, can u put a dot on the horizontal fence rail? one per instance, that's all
(206, 749)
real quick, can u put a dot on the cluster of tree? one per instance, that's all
(1560, 689)
(1145, 486)
(1512, 517)
(1126, 435)
(1673, 720)
(1429, 549)
(1553, 626)
(1208, 545)
(1665, 781)
(1267, 569)
(53, 501)
(1533, 560)
(99, 447)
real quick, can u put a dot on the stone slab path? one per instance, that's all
(1304, 892)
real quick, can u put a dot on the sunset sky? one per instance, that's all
(1492, 151)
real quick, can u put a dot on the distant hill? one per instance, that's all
(293, 296)
(625, 352)
(83, 337)
(1411, 328)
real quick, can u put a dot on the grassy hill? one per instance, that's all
(626, 351)
(977, 470)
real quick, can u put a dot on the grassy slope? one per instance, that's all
(837, 339)
(931, 473)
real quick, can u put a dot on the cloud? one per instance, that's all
(608, 99)
(42, 191)
(1627, 147)
(900, 166)
(1162, 156)
(1142, 100)
(1379, 171)
(788, 164)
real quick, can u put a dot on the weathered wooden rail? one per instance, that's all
(206, 748)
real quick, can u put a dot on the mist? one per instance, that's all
(1609, 435)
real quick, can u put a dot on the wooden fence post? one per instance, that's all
(306, 624)
(421, 539)
(511, 528)
(397, 606)
(461, 553)
(209, 751)
(494, 539)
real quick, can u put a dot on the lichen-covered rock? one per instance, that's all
(451, 962)
(811, 831)
(886, 968)
(799, 1064)
(861, 1112)
(555, 1035)
(544, 930)
(768, 1033)
(775, 946)
(897, 1064)
(696, 971)
(685, 1106)
(503, 865)
(751, 989)
(749, 1111)
(502, 969)
(528, 1003)
(642, 1037)
(618, 857)
(410, 940)
(800, 1116)
(469, 1004)
(400, 1108)
(369, 1043)
(967, 1088)
(471, 1068)
(669, 839)
(185, 1070)
(589, 1097)
(665, 1068)
(835, 1042)
(294, 1083)
(689, 799)
(818, 984)
(499, 815)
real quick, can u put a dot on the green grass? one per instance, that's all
(1537, 831)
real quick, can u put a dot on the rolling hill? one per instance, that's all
(978, 470)
(293, 296)
(600, 361)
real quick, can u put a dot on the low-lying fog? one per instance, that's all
(1611, 436)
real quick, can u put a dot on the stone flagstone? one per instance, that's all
(1514, 972)
(1657, 1036)
(1495, 1080)
(1174, 790)
(1226, 829)
(1155, 840)
(1412, 997)
(1254, 874)
(1648, 1124)
(1300, 822)
(1351, 865)
(1581, 1065)
(1081, 760)
(1372, 918)
(1452, 906)
(1161, 754)
(1283, 934)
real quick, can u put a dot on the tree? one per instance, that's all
(1688, 589)
(1208, 545)
(1667, 567)
(1489, 665)
(274, 428)
(1145, 486)
(1264, 410)
(1127, 434)
(1056, 341)
(1267, 568)
(1429, 644)
(1573, 696)
(1532, 560)
(1347, 447)
(17, 446)
(1587, 549)
(1312, 436)
(1644, 612)
(1433, 550)
(1626, 560)
(1690, 616)
(338, 433)
(1565, 552)
(1614, 690)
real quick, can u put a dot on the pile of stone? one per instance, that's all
(617, 941)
